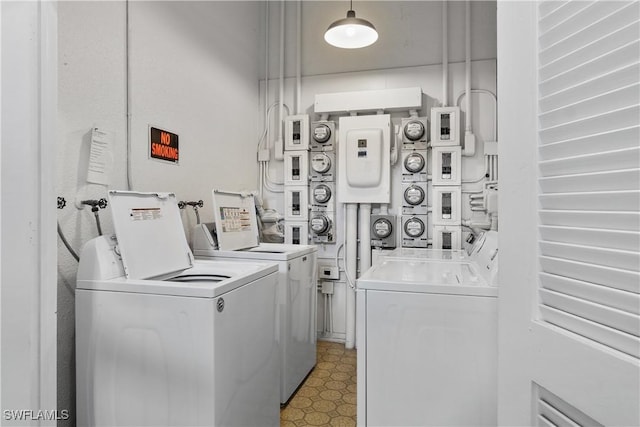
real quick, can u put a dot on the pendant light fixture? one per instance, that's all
(351, 32)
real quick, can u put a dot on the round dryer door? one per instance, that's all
(320, 163)
(414, 162)
(414, 195)
(382, 228)
(414, 130)
(321, 193)
(320, 224)
(321, 133)
(414, 227)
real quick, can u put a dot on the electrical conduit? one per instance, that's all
(351, 264)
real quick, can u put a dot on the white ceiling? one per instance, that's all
(410, 34)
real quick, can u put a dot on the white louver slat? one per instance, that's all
(589, 173)
(553, 411)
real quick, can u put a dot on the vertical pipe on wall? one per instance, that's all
(351, 264)
(127, 89)
(266, 97)
(445, 54)
(467, 63)
(299, 58)
(364, 225)
(279, 147)
(469, 137)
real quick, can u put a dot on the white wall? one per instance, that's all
(187, 77)
(28, 296)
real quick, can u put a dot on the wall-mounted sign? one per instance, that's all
(163, 145)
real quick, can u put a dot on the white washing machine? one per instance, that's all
(427, 343)
(162, 339)
(297, 295)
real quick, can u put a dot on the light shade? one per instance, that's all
(351, 32)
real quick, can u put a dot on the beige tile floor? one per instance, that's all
(328, 395)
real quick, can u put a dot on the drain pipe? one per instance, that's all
(445, 54)
(351, 264)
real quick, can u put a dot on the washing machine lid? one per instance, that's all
(150, 234)
(426, 276)
(235, 218)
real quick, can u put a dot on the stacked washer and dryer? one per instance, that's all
(234, 236)
(163, 339)
(427, 337)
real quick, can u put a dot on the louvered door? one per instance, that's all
(569, 304)
(589, 199)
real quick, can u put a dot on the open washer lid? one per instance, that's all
(235, 218)
(150, 234)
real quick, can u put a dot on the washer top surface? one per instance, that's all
(426, 276)
(206, 279)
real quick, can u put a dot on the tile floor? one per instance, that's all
(328, 395)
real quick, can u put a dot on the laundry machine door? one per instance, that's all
(430, 359)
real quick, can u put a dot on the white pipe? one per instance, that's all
(351, 263)
(384, 209)
(299, 58)
(445, 54)
(279, 153)
(266, 68)
(469, 138)
(467, 14)
(364, 225)
(495, 107)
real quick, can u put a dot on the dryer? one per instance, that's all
(163, 339)
(427, 342)
(296, 301)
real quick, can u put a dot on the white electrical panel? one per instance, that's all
(296, 203)
(323, 136)
(447, 237)
(414, 198)
(446, 165)
(415, 132)
(414, 165)
(322, 166)
(322, 196)
(414, 231)
(364, 159)
(296, 164)
(446, 205)
(296, 132)
(445, 126)
(321, 227)
(296, 233)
